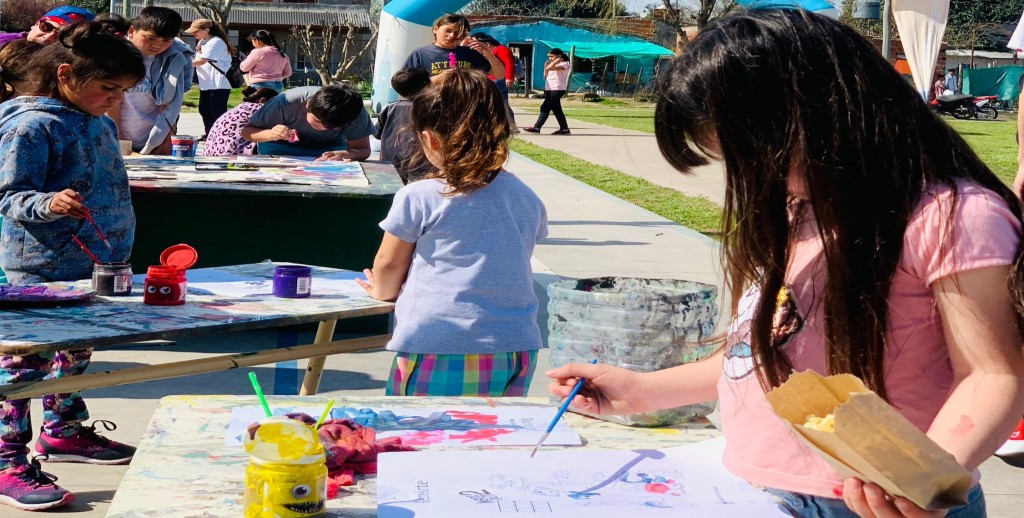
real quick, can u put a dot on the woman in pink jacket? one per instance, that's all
(267, 65)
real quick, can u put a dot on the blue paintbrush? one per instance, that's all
(561, 410)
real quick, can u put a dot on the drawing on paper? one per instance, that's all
(688, 479)
(507, 426)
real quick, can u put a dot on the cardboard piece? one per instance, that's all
(872, 441)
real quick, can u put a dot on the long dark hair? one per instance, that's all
(218, 31)
(266, 38)
(785, 90)
(94, 51)
(466, 110)
(13, 58)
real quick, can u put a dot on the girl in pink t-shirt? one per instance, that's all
(267, 65)
(861, 235)
(556, 75)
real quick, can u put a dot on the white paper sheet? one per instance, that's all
(427, 427)
(683, 481)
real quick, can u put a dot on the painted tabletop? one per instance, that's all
(183, 464)
(117, 320)
(383, 181)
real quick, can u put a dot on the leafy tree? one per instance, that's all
(559, 8)
(977, 24)
(96, 6)
(19, 15)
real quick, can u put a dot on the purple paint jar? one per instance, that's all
(292, 281)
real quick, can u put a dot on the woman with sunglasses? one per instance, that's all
(44, 32)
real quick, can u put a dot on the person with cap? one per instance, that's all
(44, 31)
(212, 61)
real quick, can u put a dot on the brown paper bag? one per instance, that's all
(872, 441)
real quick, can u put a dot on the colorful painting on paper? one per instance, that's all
(259, 169)
(680, 481)
(427, 427)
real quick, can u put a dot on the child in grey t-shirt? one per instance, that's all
(398, 141)
(456, 253)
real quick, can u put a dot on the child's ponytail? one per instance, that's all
(93, 49)
(465, 109)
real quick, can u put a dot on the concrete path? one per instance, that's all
(632, 152)
(591, 234)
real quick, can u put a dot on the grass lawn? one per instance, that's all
(993, 141)
(696, 213)
(617, 113)
(191, 102)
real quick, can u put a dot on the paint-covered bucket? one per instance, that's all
(183, 146)
(639, 324)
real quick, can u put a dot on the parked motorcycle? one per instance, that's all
(986, 107)
(960, 106)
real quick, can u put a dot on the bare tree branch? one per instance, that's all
(319, 41)
(216, 10)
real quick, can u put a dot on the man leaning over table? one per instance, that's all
(328, 122)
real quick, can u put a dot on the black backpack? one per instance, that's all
(236, 78)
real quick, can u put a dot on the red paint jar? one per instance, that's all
(166, 284)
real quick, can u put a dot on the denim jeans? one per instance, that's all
(277, 86)
(809, 506)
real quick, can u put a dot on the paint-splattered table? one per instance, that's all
(109, 321)
(184, 469)
(237, 223)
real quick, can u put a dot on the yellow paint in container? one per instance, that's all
(287, 475)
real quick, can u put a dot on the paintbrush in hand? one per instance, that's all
(86, 249)
(88, 216)
(561, 410)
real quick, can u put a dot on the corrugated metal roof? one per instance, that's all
(269, 15)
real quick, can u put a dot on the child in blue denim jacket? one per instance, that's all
(60, 161)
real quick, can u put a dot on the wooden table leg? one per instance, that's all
(315, 367)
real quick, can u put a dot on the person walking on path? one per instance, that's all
(556, 76)
(267, 65)
(212, 60)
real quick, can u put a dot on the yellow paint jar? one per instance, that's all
(287, 475)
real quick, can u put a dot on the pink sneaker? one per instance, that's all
(1015, 446)
(85, 446)
(28, 488)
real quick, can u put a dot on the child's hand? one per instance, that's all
(281, 132)
(369, 284)
(477, 46)
(869, 500)
(68, 203)
(608, 390)
(334, 155)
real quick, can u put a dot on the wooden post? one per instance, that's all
(315, 367)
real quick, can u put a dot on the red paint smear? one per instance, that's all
(423, 438)
(660, 489)
(964, 426)
(474, 416)
(482, 435)
(837, 490)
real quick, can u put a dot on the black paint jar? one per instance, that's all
(112, 279)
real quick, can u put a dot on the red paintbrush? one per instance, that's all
(88, 216)
(86, 249)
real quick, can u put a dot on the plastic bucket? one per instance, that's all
(640, 324)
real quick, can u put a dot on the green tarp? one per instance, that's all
(1003, 82)
(600, 49)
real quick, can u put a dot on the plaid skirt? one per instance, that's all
(495, 375)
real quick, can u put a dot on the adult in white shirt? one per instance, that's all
(556, 80)
(212, 61)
